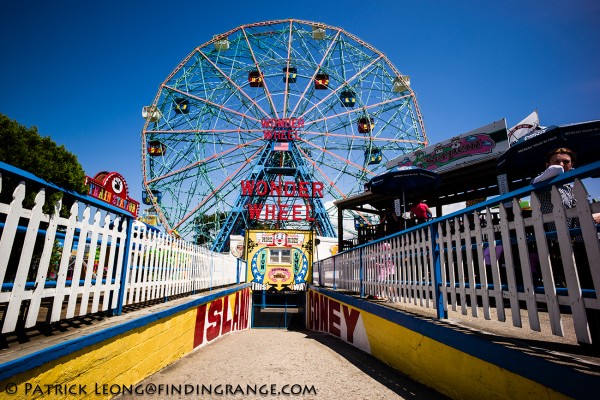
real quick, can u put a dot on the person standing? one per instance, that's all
(420, 212)
(558, 161)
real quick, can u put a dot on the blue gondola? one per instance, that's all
(348, 98)
(146, 199)
(374, 156)
(182, 106)
(290, 74)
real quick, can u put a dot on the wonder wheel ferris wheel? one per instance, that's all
(268, 124)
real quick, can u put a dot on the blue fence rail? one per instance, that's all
(495, 259)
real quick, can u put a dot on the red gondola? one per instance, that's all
(156, 148)
(321, 81)
(365, 125)
(255, 79)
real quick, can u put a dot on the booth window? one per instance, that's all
(280, 256)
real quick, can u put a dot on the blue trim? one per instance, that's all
(7, 287)
(555, 376)
(47, 355)
(123, 284)
(437, 266)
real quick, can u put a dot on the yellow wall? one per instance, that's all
(125, 359)
(440, 366)
(450, 371)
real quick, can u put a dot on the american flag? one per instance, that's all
(281, 146)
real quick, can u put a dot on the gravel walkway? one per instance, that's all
(281, 364)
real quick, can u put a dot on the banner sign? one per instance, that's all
(472, 147)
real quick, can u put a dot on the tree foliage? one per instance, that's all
(207, 226)
(24, 148)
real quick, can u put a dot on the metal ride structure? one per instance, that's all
(305, 112)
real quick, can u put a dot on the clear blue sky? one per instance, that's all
(82, 70)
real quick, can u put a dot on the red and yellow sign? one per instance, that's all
(112, 188)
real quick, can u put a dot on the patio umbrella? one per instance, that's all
(398, 181)
(527, 156)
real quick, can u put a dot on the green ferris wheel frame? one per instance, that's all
(203, 133)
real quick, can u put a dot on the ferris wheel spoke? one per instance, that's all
(318, 67)
(343, 160)
(257, 65)
(232, 82)
(326, 178)
(215, 132)
(368, 107)
(214, 156)
(333, 135)
(217, 106)
(340, 87)
(287, 66)
(227, 180)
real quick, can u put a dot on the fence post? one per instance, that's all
(334, 282)
(212, 267)
(360, 273)
(437, 265)
(122, 288)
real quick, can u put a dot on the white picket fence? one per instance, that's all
(488, 259)
(54, 268)
(163, 266)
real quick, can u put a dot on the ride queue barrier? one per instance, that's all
(487, 259)
(54, 268)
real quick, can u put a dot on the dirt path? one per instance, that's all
(305, 365)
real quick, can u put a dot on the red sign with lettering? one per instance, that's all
(112, 188)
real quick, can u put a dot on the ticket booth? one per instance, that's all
(279, 268)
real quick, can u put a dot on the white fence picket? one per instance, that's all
(19, 291)
(40, 281)
(90, 266)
